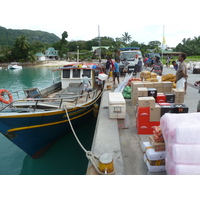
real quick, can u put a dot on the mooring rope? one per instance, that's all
(93, 158)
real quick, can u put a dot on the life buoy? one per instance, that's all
(2, 98)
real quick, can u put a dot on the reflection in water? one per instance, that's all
(63, 157)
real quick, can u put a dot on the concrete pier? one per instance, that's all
(119, 136)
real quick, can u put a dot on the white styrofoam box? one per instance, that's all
(102, 77)
(145, 146)
(117, 111)
(116, 98)
(153, 168)
(155, 155)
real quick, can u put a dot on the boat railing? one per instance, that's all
(56, 103)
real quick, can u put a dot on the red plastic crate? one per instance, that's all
(152, 124)
(143, 114)
(140, 123)
(143, 130)
(160, 99)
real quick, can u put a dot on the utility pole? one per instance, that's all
(78, 54)
(99, 42)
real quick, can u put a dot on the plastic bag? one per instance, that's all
(180, 84)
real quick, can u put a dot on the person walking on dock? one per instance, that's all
(116, 71)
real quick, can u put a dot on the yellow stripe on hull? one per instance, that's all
(49, 124)
(43, 114)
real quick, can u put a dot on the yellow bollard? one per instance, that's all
(106, 163)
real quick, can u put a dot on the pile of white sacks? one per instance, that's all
(181, 133)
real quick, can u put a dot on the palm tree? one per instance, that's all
(126, 37)
(23, 42)
(21, 48)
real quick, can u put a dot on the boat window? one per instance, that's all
(66, 73)
(76, 73)
(87, 72)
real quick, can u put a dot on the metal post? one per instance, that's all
(99, 43)
(78, 54)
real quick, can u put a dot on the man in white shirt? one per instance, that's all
(85, 82)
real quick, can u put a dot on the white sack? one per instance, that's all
(185, 153)
(181, 169)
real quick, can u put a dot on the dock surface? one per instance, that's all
(119, 136)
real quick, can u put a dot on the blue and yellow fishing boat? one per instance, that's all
(39, 120)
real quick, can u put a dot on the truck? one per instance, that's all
(129, 53)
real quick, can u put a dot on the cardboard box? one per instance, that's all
(134, 87)
(167, 84)
(135, 84)
(158, 84)
(148, 84)
(142, 92)
(167, 90)
(179, 100)
(134, 100)
(158, 146)
(159, 90)
(155, 113)
(178, 93)
(146, 102)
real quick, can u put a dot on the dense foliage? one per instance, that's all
(189, 46)
(8, 36)
(22, 45)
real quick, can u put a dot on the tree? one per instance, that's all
(21, 48)
(64, 36)
(126, 37)
(154, 44)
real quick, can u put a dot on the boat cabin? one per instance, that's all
(73, 74)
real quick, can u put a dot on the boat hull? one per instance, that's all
(34, 133)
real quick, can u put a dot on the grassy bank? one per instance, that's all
(188, 59)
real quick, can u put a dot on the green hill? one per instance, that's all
(8, 36)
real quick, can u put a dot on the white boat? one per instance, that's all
(14, 65)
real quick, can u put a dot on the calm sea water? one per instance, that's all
(65, 157)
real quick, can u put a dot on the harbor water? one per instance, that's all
(65, 157)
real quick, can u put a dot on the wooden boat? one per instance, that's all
(39, 120)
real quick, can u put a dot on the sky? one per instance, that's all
(143, 20)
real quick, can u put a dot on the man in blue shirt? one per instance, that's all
(116, 71)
